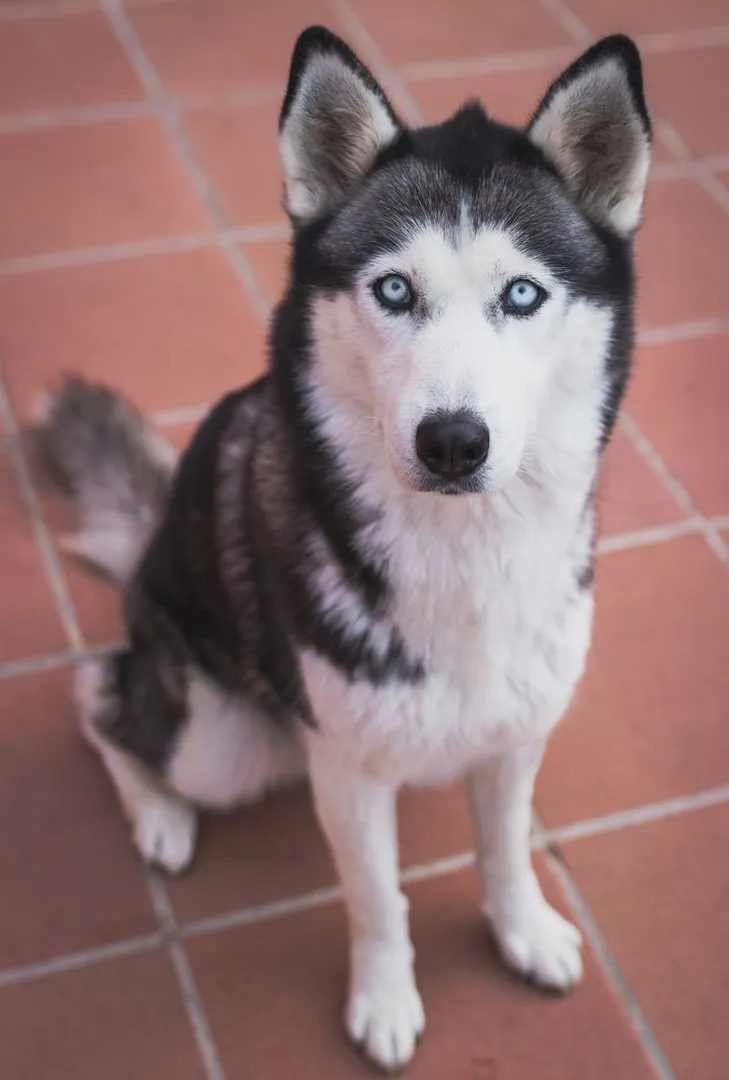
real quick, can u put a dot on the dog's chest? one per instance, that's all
(502, 630)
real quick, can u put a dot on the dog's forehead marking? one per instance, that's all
(405, 196)
(443, 260)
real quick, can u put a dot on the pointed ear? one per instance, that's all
(334, 122)
(593, 126)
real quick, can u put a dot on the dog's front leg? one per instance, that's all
(533, 938)
(384, 1014)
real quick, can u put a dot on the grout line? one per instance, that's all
(639, 815)
(656, 534)
(705, 37)
(660, 335)
(87, 115)
(45, 546)
(12, 10)
(530, 59)
(135, 249)
(436, 868)
(74, 961)
(244, 97)
(275, 909)
(187, 414)
(83, 115)
(671, 170)
(107, 253)
(485, 65)
(169, 115)
(51, 661)
(650, 1045)
(185, 978)
(256, 234)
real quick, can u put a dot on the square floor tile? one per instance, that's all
(70, 878)
(168, 330)
(220, 45)
(114, 1020)
(649, 16)
(681, 87)
(679, 398)
(111, 182)
(418, 30)
(683, 228)
(60, 63)
(629, 495)
(659, 892)
(29, 620)
(238, 149)
(270, 259)
(650, 719)
(482, 1024)
(275, 850)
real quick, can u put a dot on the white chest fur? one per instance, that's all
(485, 594)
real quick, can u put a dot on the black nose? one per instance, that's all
(452, 446)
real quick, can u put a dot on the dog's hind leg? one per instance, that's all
(164, 826)
(171, 741)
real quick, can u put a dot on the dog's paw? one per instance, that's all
(165, 833)
(538, 943)
(385, 1015)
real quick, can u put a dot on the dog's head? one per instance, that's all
(458, 281)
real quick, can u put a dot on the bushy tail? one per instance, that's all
(115, 467)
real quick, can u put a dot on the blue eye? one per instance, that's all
(394, 292)
(522, 297)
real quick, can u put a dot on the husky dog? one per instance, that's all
(374, 565)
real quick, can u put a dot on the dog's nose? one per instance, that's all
(452, 447)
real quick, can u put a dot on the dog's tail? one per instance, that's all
(115, 467)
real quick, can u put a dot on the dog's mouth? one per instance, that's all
(432, 485)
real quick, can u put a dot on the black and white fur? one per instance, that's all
(310, 591)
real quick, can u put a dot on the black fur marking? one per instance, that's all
(146, 691)
(586, 572)
(180, 571)
(586, 576)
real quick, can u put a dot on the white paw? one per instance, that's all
(385, 1015)
(165, 833)
(537, 942)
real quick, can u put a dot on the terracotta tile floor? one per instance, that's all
(142, 242)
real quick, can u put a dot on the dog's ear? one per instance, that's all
(334, 122)
(593, 126)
